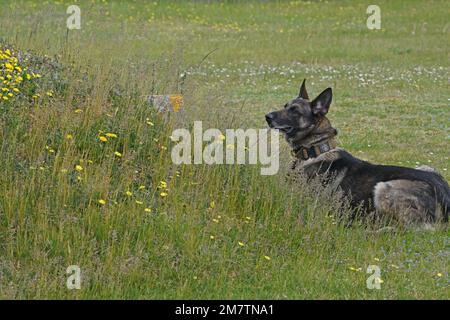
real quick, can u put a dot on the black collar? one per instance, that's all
(314, 151)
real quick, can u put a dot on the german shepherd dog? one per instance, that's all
(404, 194)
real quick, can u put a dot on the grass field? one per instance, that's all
(140, 227)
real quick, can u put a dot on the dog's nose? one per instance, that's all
(269, 117)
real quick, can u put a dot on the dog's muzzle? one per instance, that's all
(269, 119)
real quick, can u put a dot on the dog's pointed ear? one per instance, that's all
(303, 93)
(321, 104)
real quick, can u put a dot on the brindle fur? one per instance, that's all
(405, 194)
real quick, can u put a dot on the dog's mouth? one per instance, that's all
(283, 128)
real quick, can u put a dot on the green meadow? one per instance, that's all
(87, 177)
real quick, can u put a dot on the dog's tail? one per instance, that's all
(442, 190)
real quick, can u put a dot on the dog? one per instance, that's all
(404, 194)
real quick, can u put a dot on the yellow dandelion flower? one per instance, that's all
(215, 220)
(102, 202)
(78, 110)
(162, 184)
(78, 168)
(267, 258)
(439, 274)
(241, 243)
(129, 193)
(163, 194)
(148, 210)
(69, 136)
(212, 204)
(102, 138)
(118, 154)
(212, 237)
(355, 269)
(111, 135)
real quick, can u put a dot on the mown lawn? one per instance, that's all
(88, 178)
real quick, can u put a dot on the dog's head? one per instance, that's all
(301, 120)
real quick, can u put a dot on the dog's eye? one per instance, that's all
(292, 108)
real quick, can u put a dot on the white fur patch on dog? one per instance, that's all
(330, 156)
(379, 193)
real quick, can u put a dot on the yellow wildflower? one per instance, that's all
(111, 135)
(78, 168)
(162, 185)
